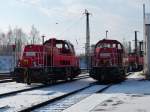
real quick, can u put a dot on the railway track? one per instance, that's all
(65, 101)
(39, 107)
(9, 93)
(40, 86)
(34, 99)
(54, 99)
(6, 80)
(40, 95)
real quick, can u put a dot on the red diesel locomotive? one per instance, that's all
(54, 60)
(107, 63)
(136, 58)
(135, 62)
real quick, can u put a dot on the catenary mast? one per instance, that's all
(87, 44)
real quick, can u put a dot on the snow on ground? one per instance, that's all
(124, 103)
(136, 75)
(13, 86)
(133, 95)
(88, 104)
(26, 99)
(61, 105)
(1, 80)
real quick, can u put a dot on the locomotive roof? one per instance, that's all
(109, 41)
(54, 39)
(34, 46)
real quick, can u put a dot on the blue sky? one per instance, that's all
(120, 17)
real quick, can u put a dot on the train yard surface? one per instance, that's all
(131, 95)
(83, 95)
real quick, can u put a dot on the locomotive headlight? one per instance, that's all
(25, 61)
(104, 61)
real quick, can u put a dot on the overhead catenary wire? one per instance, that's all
(70, 26)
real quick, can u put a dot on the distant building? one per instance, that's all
(9, 56)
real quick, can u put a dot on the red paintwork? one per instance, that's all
(108, 53)
(28, 61)
(134, 59)
(56, 57)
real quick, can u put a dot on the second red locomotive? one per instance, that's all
(54, 60)
(108, 61)
(136, 58)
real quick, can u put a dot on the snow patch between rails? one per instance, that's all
(65, 103)
(39, 92)
(89, 103)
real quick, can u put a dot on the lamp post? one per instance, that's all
(43, 36)
(106, 34)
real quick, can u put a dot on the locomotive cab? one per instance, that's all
(107, 61)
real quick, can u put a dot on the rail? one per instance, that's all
(39, 87)
(36, 106)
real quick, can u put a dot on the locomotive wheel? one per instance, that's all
(18, 81)
(71, 78)
(102, 78)
(46, 82)
(16, 75)
(54, 81)
(68, 76)
(28, 79)
(50, 81)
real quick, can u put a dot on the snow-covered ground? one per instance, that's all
(27, 99)
(71, 100)
(13, 86)
(133, 95)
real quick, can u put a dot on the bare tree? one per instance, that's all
(9, 36)
(35, 35)
(3, 39)
(125, 45)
